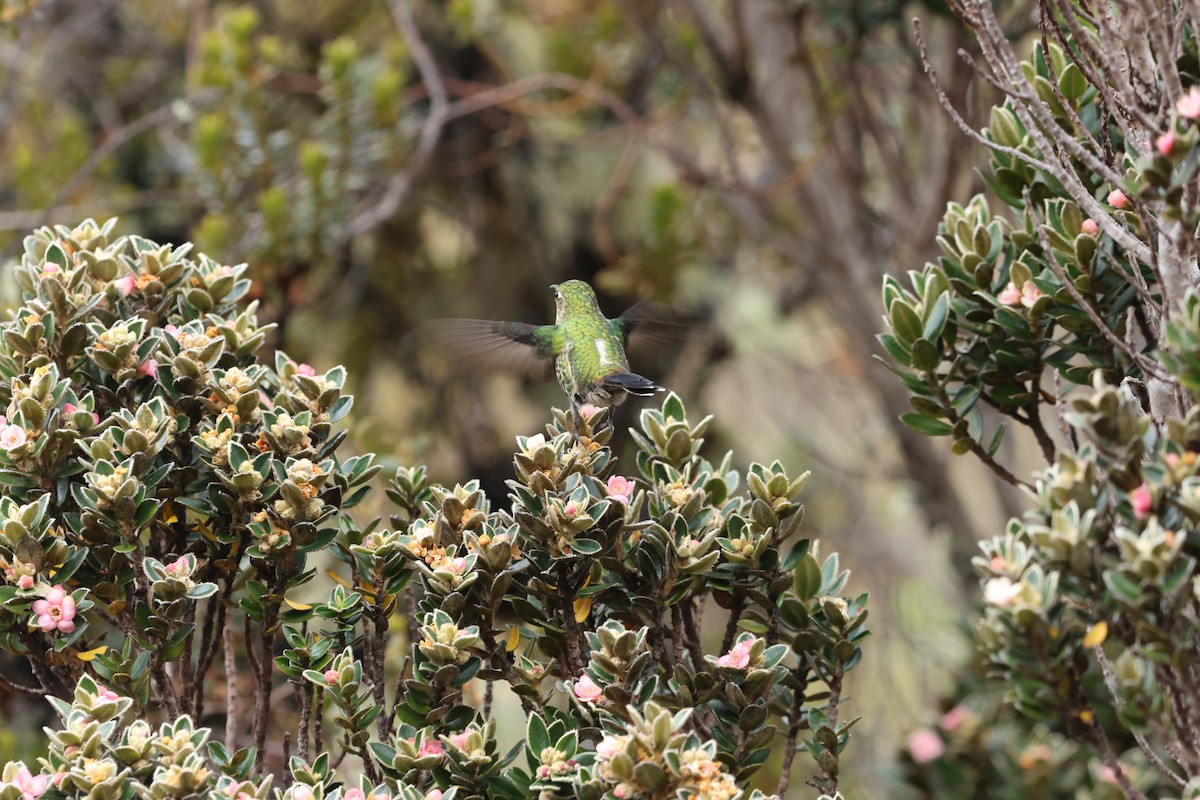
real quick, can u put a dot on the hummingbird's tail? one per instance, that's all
(631, 383)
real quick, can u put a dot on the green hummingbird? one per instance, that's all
(584, 349)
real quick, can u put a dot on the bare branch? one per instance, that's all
(373, 212)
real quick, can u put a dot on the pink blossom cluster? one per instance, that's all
(11, 436)
(55, 611)
(1026, 296)
(70, 408)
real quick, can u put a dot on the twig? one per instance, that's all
(231, 693)
(175, 111)
(735, 616)
(795, 723)
(402, 183)
(1100, 741)
(1148, 366)
(1110, 681)
(18, 688)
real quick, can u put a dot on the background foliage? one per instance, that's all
(762, 162)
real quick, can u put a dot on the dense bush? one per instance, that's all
(166, 495)
(1091, 598)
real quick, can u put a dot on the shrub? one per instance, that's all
(166, 495)
(1091, 597)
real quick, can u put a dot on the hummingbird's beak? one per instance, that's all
(554, 287)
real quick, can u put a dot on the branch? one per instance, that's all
(1110, 681)
(175, 112)
(431, 131)
(1148, 366)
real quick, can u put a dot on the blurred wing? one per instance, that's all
(486, 346)
(650, 326)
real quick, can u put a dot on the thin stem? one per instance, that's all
(735, 616)
(1110, 681)
(231, 690)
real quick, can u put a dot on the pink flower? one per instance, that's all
(1090, 227)
(1117, 199)
(107, 694)
(954, 717)
(305, 369)
(434, 794)
(1030, 294)
(1139, 498)
(301, 792)
(587, 410)
(172, 331)
(1001, 591)
(458, 565)
(51, 269)
(1011, 296)
(571, 509)
(25, 582)
(56, 611)
(459, 740)
(431, 747)
(587, 690)
(149, 368)
(608, 747)
(354, 794)
(924, 745)
(1189, 105)
(31, 786)
(12, 437)
(331, 676)
(620, 489)
(1165, 143)
(738, 656)
(71, 408)
(126, 285)
(179, 564)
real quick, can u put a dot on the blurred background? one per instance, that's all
(760, 163)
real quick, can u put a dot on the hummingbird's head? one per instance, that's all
(572, 297)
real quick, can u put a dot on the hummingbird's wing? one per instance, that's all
(650, 326)
(487, 346)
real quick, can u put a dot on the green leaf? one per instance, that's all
(1071, 83)
(926, 425)
(905, 322)
(806, 580)
(925, 354)
(55, 254)
(935, 319)
(899, 353)
(585, 546)
(672, 408)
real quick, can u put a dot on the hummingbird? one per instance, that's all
(583, 349)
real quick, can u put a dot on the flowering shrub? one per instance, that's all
(1091, 598)
(166, 493)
